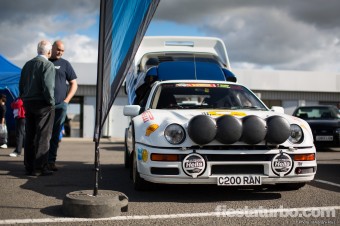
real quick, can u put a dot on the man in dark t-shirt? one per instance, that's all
(63, 94)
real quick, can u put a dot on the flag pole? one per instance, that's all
(99, 93)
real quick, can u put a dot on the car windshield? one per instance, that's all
(205, 95)
(316, 113)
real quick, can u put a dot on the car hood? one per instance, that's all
(160, 119)
(324, 123)
(183, 116)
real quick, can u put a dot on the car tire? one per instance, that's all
(133, 151)
(290, 187)
(139, 183)
(126, 151)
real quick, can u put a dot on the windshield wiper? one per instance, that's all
(248, 107)
(197, 106)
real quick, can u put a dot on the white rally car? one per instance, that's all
(192, 123)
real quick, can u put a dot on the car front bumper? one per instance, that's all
(218, 163)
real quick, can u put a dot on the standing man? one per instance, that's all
(36, 88)
(62, 94)
(19, 117)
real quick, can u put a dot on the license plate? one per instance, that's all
(238, 180)
(324, 138)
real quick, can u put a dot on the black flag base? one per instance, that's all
(107, 203)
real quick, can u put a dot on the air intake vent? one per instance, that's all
(179, 43)
(165, 59)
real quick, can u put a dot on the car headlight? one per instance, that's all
(174, 134)
(296, 134)
(337, 130)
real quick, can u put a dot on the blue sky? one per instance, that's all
(259, 34)
(164, 28)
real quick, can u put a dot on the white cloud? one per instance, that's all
(262, 34)
(26, 24)
(80, 48)
(292, 35)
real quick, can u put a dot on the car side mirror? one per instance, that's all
(278, 109)
(131, 110)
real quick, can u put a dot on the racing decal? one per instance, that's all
(282, 164)
(221, 113)
(193, 165)
(147, 116)
(233, 87)
(223, 86)
(237, 113)
(196, 85)
(151, 128)
(139, 153)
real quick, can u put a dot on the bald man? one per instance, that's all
(63, 95)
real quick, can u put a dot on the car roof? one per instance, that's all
(317, 106)
(163, 46)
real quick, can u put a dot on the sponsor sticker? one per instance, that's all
(139, 153)
(282, 164)
(147, 116)
(196, 85)
(221, 113)
(224, 86)
(194, 165)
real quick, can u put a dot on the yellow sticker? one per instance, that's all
(221, 113)
(238, 113)
(151, 128)
(224, 86)
(214, 113)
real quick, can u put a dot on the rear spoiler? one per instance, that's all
(178, 44)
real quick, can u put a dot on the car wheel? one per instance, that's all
(126, 151)
(139, 183)
(290, 187)
(133, 151)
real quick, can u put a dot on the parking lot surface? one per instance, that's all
(38, 200)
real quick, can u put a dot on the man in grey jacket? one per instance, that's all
(36, 88)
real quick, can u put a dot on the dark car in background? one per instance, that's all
(324, 122)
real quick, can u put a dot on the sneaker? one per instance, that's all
(13, 154)
(4, 146)
(31, 173)
(46, 172)
(52, 167)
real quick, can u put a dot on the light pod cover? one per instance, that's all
(202, 129)
(278, 129)
(229, 129)
(254, 129)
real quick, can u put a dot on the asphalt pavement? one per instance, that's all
(25, 196)
(38, 200)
